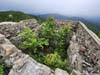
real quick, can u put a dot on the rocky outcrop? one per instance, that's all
(31, 23)
(11, 29)
(84, 50)
(60, 72)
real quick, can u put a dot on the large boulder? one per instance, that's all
(28, 66)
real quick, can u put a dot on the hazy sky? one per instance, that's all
(65, 7)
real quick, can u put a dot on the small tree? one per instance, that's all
(48, 28)
(54, 60)
(62, 40)
(28, 38)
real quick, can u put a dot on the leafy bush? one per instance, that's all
(1, 69)
(54, 60)
(62, 40)
(30, 40)
(48, 28)
(32, 44)
(50, 46)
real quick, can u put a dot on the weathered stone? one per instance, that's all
(10, 29)
(84, 50)
(74, 72)
(28, 66)
(21, 63)
(60, 72)
(2, 38)
(9, 49)
(15, 40)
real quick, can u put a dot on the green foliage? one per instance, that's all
(1, 70)
(48, 28)
(16, 16)
(32, 44)
(30, 40)
(54, 60)
(50, 46)
(62, 40)
(99, 34)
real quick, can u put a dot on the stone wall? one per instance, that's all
(84, 50)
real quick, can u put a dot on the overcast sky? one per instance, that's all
(65, 7)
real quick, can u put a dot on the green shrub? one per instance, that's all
(62, 40)
(48, 28)
(54, 60)
(1, 70)
(32, 44)
(50, 46)
(30, 40)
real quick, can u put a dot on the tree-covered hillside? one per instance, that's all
(15, 16)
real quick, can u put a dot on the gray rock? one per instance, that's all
(60, 72)
(2, 38)
(74, 72)
(30, 67)
(12, 29)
